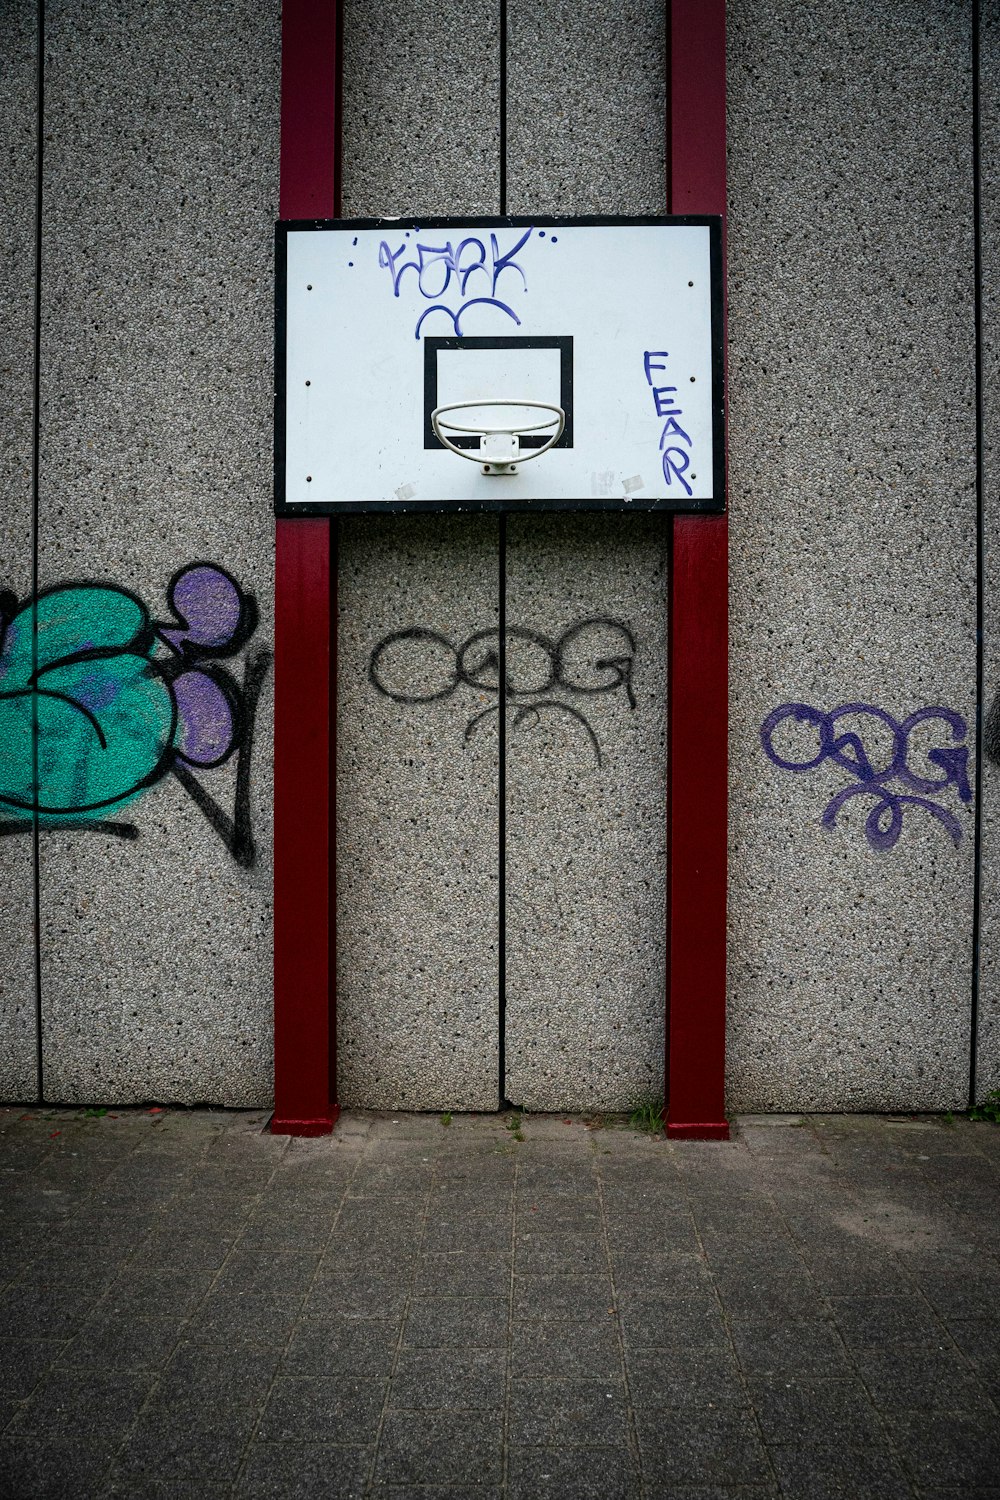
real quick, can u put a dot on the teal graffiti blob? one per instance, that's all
(106, 718)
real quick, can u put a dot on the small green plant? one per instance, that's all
(513, 1124)
(648, 1116)
(988, 1110)
(446, 1117)
(94, 1114)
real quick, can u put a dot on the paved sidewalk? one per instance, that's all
(194, 1308)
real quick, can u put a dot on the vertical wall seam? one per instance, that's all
(503, 106)
(502, 665)
(502, 818)
(35, 448)
(980, 547)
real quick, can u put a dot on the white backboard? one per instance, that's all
(617, 321)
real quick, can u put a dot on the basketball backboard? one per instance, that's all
(614, 323)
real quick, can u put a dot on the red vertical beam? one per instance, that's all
(699, 666)
(304, 1052)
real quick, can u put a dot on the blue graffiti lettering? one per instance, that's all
(846, 748)
(442, 271)
(675, 461)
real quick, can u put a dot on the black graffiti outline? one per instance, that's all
(460, 671)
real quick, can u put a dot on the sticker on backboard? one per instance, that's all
(576, 363)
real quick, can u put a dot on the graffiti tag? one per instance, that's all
(845, 748)
(418, 665)
(454, 278)
(675, 461)
(98, 702)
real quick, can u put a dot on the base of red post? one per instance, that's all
(699, 1132)
(322, 1125)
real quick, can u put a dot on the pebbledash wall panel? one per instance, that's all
(159, 196)
(586, 779)
(417, 804)
(988, 1052)
(853, 562)
(18, 150)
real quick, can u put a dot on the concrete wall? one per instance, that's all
(417, 813)
(421, 833)
(854, 574)
(585, 855)
(18, 147)
(853, 513)
(988, 1050)
(159, 192)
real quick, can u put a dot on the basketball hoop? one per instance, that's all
(500, 449)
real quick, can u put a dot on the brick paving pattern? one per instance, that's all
(191, 1307)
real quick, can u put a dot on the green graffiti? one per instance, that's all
(87, 719)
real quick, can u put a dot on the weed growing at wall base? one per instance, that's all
(648, 1116)
(988, 1109)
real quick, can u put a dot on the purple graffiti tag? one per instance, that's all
(215, 616)
(456, 317)
(847, 749)
(206, 717)
(443, 272)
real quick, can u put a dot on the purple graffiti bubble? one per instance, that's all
(209, 605)
(206, 728)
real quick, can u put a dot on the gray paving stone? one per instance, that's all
(357, 1294)
(650, 1321)
(454, 1233)
(99, 1403)
(978, 1338)
(799, 1348)
(231, 1315)
(569, 1252)
(948, 1448)
(143, 1291)
(592, 1350)
(463, 1273)
(456, 1323)
(701, 1444)
(788, 1293)
(677, 1377)
(564, 1297)
(554, 1412)
(436, 1492)
(549, 1216)
(108, 1341)
(632, 1233)
(23, 1363)
(814, 1472)
(911, 1379)
(871, 1322)
(670, 1274)
(442, 1448)
(342, 1346)
(594, 1473)
(184, 1300)
(303, 1471)
(196, 1423)
(316, 1409)
(448, 1380)
(72, 1468)
(814, 1411)
(29, 1311)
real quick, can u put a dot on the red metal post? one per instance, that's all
(699, 664)
(304, 1051)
